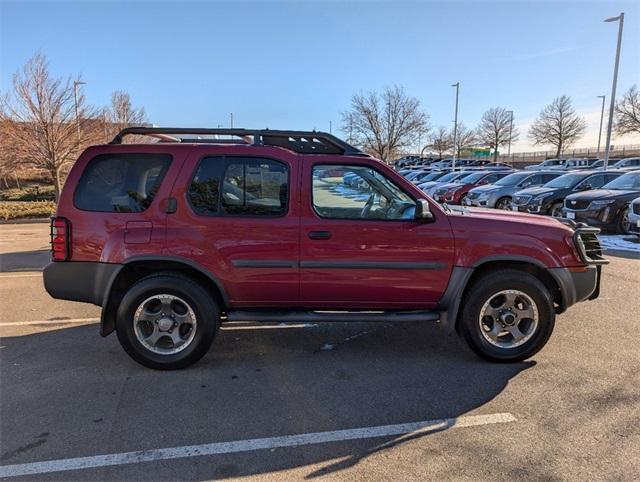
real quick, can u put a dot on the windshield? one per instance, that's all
(473, 178)
(566, 181)
(551, 162)
(432, 176)
(630, 180)
(449, 177)
(512, 179)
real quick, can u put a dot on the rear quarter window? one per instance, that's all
(121, 183)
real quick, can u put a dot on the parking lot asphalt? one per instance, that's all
(570, 413)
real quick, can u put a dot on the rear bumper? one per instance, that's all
(87, 282)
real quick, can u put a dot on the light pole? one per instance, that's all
(510, 131)
(601, 119)
(232, 120)
(330, 128)
(76, 83)
(607, 146)
(455, 127)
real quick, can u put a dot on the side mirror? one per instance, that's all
(423, 213)
(586, 187)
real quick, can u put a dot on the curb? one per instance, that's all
(26, 221)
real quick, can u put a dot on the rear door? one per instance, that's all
(238, 217)
(361, 246)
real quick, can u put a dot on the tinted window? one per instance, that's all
(512, 179)
(123, 183)
(240, 186)
(366, 195)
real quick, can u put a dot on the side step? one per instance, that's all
(308, 316)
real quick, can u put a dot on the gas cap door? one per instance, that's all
(138, 232)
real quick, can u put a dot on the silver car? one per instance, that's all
(634, 217)
(499, 194)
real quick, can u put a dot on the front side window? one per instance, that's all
(240, 186)
(121, 183)
(358, 192)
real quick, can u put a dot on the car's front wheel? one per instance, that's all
(624, 224)
(504, 203)
(167, 321)
(507, 316)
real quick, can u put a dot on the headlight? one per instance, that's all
(600, 204)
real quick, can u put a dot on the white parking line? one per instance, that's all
(21, 275)
(51, 322)
(79, 463)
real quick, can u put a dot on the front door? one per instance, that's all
(361, 246)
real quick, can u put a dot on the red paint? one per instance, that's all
(215, 243)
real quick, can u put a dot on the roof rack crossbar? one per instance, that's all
(310, 142)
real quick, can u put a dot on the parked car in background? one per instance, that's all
(456, 192)
(548, 164)
(500, 194)
(627, 162)
(634, 217)
(429, 187)
(607, 208)
(549, 198)
(429, 176)
(573, 164)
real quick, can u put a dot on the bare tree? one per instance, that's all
(628, 112)
(44, 124)
(495, 130)
(122, 114)
(558, 124)
(441, 140)
(465, 139)
(385, 124)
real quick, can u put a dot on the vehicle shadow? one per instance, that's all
(34, 260)
(257, 381)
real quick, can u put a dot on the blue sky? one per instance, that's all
(296, 64)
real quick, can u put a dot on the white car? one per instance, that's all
(634, 217)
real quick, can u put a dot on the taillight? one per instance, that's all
(60, 239)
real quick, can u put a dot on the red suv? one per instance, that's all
(204, 226)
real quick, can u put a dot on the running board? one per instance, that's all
(304, 316)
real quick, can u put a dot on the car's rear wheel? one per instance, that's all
(167, 321)
(504, 203)
(624, 224)
(507, 316)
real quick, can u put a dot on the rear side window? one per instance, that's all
(121, 183)
(239, 186)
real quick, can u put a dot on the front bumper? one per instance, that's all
(603, 218)
(576, 286)
(634, 221)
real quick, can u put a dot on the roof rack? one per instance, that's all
(306, 142)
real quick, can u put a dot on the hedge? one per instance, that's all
(26, 209)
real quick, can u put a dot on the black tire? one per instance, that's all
(206, 311)
(623, 221)
(556, 210)
(463, 198)
(504, 203)
(482, 290)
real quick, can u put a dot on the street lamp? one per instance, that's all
(607, 147)
(455, 127)
(510, 131)
(601, 119)
(76, 83)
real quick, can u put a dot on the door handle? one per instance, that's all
(319, 235)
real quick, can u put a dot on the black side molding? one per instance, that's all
(310, 316)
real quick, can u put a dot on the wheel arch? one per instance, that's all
(139, 267)
(462, 278)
